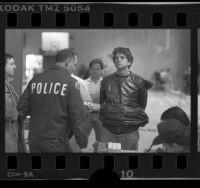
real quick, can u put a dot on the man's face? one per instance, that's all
(71, 68)
(121, 61)
(10, 67)
(95, 71)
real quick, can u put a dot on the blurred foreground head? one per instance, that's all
(173, 131)
(176, 113)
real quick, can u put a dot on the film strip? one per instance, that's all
(171, 28)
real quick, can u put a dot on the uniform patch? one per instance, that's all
(77, 85)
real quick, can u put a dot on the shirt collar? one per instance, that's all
(89, 79)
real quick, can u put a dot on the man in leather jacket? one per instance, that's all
(123, 98)
(53, 101)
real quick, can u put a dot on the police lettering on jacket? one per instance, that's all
(49, 88)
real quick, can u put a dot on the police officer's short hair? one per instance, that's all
(65, 54)
(124, 51)
(96, 61)
(8, 56)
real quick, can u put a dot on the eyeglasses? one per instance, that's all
(121, 57)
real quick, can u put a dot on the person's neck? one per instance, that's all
(95, 79)
(9, 79)
(61, 65)
(123, 72)
(64, 67)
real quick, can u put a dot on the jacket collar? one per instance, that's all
(57, 67)
(130, 73)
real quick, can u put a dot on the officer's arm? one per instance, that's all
(23, 105)
(77, 115)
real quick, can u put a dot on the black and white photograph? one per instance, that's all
(98, 91)
(198, 90)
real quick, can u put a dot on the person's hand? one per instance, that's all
(89, 106)
(96, 107)
(12, 114)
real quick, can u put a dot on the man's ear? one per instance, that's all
(66, 63)
(90, 71)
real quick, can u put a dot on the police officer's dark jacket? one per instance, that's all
(53, 101)
(123, 100)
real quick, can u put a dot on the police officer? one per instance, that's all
(53, 101)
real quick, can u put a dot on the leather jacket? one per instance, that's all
(123, 100)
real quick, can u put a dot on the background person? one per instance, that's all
(87, 101)
(11, 114)
(93, 84)
(187, 79)
(166, 77)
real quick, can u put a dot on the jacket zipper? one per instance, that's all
(120, 92)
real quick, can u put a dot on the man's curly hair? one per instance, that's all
(124, 51)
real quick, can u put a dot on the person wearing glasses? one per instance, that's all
(123, 99)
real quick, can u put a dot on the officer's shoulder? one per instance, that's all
(74, 82)
(37, 76)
